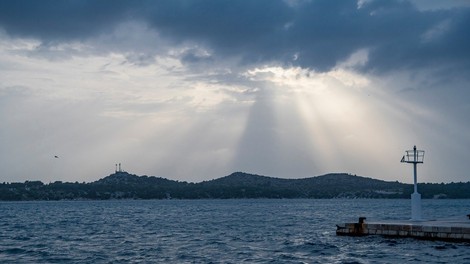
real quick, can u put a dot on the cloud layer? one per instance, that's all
(311, 34)
(194, 90)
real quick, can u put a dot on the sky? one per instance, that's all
(195, 90)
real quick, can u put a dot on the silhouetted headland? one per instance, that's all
(238, 185)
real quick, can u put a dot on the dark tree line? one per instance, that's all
(122, 185)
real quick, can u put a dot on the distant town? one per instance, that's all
(238, 185)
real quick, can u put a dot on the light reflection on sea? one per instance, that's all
(215, 231)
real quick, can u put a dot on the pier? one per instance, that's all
(457, 229)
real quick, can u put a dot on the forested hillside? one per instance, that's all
(122, 185)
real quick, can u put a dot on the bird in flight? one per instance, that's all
(56, 156)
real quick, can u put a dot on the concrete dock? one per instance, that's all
(456, 229)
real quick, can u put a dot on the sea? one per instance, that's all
(217, 231)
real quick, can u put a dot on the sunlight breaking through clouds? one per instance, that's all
(333, 112)
(283, 88)
(338, 120)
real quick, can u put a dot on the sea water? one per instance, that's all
(216, 231)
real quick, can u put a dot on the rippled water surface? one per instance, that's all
(215, 231)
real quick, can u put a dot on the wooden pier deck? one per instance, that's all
(456, 229)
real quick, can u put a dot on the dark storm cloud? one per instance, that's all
(313, 34)
(61, 20)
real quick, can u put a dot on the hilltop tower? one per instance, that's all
(117, 168)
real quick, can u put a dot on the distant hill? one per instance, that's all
(238, 185)
(336, 185)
